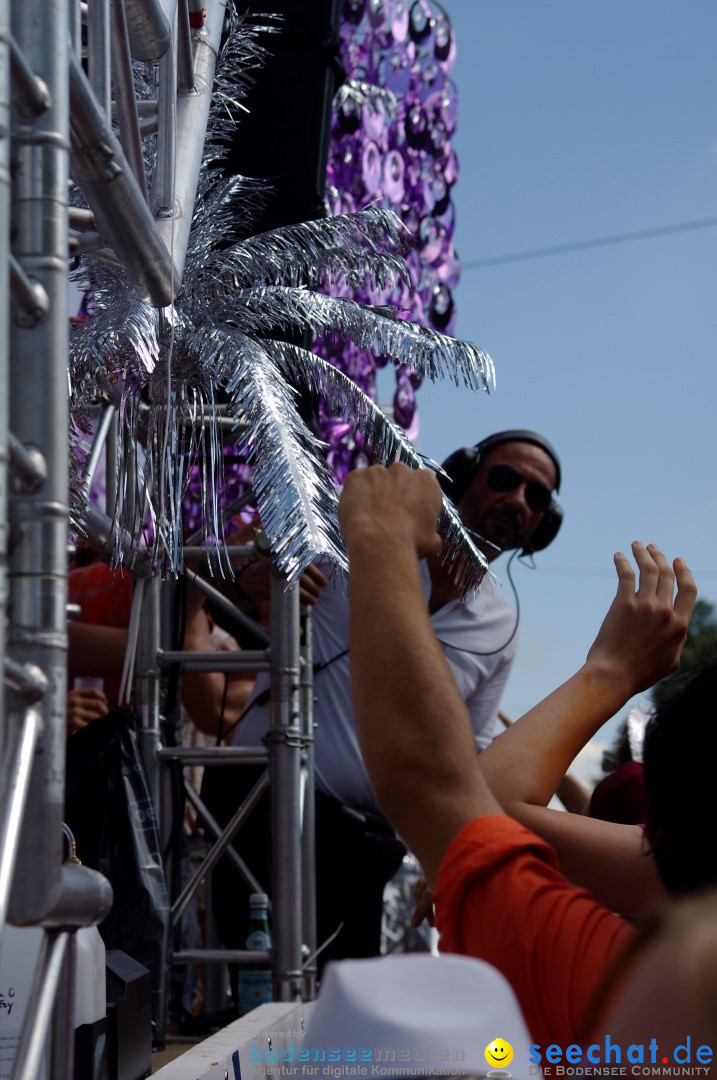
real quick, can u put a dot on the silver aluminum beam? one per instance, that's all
(216, 597)
(308, 817)
(99, 62)
(286, 742)
(123, 79)
(32, 97)
(98, 446)
(185, 70)
(214, 755)
(215, 829)
(98, 530)
(15, 771)
(217, 850)
(149, 28)
(216, 659)
(123, 217)
(4, 319)
(147, 687)
(33, 1038)
(29, 296)
(192, 116)
(164, 181)
(37, 565)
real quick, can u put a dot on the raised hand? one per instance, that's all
(644, 632)
(84, 706)
(397, 503)
(253, 579)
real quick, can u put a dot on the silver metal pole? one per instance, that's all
(4, 316)
(218, 598)
(75, 25)
(98, 530)
(85, 900)
(121, 211)
(163, 194)
(217, 660)
(285, 747)
(16, 773)
(33, 1037)
(38, 404)
(123, 80)
(214, 755)
(218, 849)
(111, 451)
(62, 1032)
(98, 446)
(149, 28)
(216, 830)
(148, 689)
(99, 62)
(308, 822)
(29, 296)
(192, 115)
(185, 70)
(32, 97)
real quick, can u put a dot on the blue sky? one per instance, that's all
(579, 121)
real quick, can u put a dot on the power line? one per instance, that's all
(598, 241)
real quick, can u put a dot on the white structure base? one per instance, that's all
(233, 1053)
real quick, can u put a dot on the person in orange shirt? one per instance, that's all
(499, 893)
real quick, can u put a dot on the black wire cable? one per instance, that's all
(265, 695)
(514, 631)
(595, 242)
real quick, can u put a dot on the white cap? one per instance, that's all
(415, 1015)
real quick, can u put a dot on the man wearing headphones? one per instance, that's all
(504, 489)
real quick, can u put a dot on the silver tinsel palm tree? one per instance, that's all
(219, 349)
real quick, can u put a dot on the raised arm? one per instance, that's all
(640, 641)
(413, 727)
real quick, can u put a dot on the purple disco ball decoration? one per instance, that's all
(391, 136)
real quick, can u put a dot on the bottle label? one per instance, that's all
(254, 988)
(258, 941)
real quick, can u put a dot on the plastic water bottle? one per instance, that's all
(254, 984)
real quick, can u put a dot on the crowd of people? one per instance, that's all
(411, 754)
(542, 896)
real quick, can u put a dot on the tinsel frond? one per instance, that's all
(465, 562)
(353, 246)
(122, 338)
(344, 398)
(358, 269)
(239, 61)
(387, 443)
(264, 310)
(223, 210)
(294, 492)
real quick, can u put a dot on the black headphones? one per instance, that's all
(461, 467)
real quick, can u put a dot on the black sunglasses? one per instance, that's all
(506, 478)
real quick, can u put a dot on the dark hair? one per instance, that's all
(679, 757)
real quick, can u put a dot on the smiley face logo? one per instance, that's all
(499, 1053)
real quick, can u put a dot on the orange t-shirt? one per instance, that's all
(501, 898)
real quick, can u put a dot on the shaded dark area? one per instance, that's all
(285, 137)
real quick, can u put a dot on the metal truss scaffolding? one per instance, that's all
(65, 70)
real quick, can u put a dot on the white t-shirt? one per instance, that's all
(480, 625)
